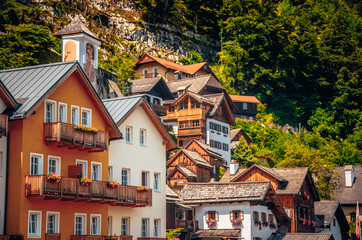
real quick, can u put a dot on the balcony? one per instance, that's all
(160, 110)
(146, 238)
(3, 125)
(87, 237)
(190, 225)
(65, 135)
(96, 192)
(148, 75)
(52, 236)
(125, 237)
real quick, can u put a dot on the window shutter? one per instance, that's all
(242, 215)
(217, 216)
(207, 216)
(231, 215)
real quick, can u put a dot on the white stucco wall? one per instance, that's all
(248, 230)
(136, 158)
(335, 230)
(3, 157)
(220, 137)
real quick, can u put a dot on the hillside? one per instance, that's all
(300, 58)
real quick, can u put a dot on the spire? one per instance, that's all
(75, 26)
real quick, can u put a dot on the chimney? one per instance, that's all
(234, 166)
(349, 175)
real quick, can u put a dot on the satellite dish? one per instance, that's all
(283, 229)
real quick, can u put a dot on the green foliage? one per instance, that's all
(172, 233)
(221, 171)
(191, 58)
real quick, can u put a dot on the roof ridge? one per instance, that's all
(123, 98)
(226, 183)
(38, 66)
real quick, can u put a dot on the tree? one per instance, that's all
(191, 58)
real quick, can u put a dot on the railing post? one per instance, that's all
(118, 193)
(41, 185)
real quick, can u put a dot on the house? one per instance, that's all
(46, 143)
(149, 66)
(204, 118)
(247, 106)
(156, 91)
(7, 104)
(235, 135)
(179, 216)
(138, 160)
(242, 210)
(330, 218)
(302, 236)
(350, 192)
(294, 187)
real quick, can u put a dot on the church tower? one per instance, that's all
(79, 43)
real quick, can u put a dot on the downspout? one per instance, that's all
(7, 181)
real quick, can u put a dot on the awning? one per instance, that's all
(227, 233)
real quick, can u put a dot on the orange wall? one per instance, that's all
(26, 136)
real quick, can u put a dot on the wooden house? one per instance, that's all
(294, 187)
(247, 106)
(149, 66)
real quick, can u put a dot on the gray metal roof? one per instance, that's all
(28, 85)
(120, 107)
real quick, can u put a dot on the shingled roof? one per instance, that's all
(207, 148)
(302, 236)
(350, 195)
(146, 85)
(75, 26)
(196, 84)
(270, 171)
(197, 157)
(223, 192)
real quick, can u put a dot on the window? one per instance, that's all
(142, 137)
(270, 218)
(195, 123)
(187, 75)
(125, 177)
(80, 224)
(256, 216)
(145, 71)
(96, 171)
(109, 229)
(186, 105)
(192, 104)
(212, 216)
(128, 134)
(171, 109)
(144, 227)
(225, 147)
(84, 165)
(156, 186)
(36, 164)
(62, 112)
(52, 222)
(75, 115)
(179, 76)
(225, 130)
(125, 226)
(183, 124)
(110, 174)
(54, 165)
(157, 101)
(155, 71)
(236, 215)
(145, 177)
(245, 106)
(156, 227)
(50, 112)
(34, 224)
(215, 144)
(263, 217)
(181, 106)
(197, 105)
(86, 117)
(334, 222)
(95, 224)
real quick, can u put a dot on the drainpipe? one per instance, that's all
(7, 180)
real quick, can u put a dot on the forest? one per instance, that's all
(301, 58)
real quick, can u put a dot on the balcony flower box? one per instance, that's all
(211, 223)
(84, 181)
(265, 224)
(53, 177)
(236, 222)
(142, 188)
(272, 226)
(113, 183)
(86, 129)
(111, 237)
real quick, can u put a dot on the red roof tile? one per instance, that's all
(240, 98)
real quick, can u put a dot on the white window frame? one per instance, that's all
(2, 165)
(156, 234)
(41, 157)
(127, 227)
(86, 166)
(65, 113)
(38, 226)
(110, 173)
(109, 226)
(54, 117)
(57, 214)
(147, 178)
(245, 106)
(156, 187)
(99, 173)
(59, 164)
(145, 71)
(89, 111)
(128, 176)
(130, 140)
(147, 229)
(84, 224)
(144, 135)
(71, 115)
(99, 226)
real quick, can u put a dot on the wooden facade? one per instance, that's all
(213, 158)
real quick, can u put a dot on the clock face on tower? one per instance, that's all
(70, 51)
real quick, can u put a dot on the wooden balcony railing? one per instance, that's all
(148, 75)
(160, 110)
(191, 131)
(125, 237)
(87, 237)
(65, 135)
(97, 191)
(52, 236)
(4, 237)
(146, 238)
(3, 125)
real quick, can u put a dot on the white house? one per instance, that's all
(248, 210)
(138, 159)
(6, 102)
(330, 218)
(218, 137)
